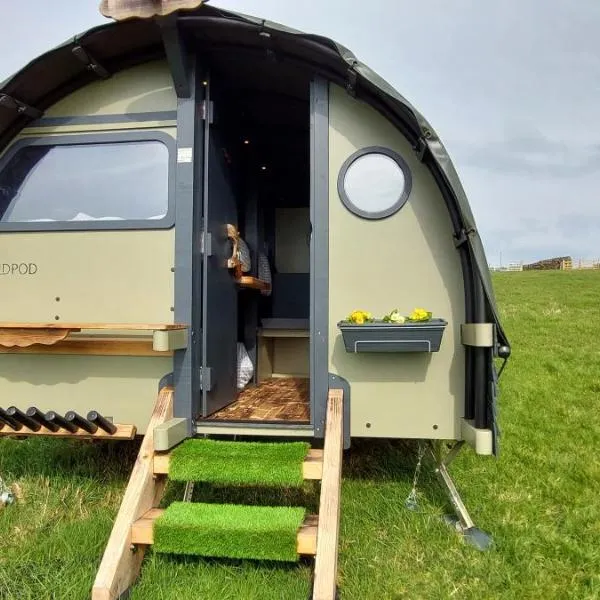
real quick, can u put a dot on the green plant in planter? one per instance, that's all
(394, 317)
(417, 315)
(360, 317)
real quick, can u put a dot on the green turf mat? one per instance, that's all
(229, 531)
(239, 463)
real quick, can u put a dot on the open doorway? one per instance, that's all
(258, 190)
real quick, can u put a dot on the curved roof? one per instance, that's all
(115, 46)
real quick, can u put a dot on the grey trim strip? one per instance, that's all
(185, 362)
(159, 115)
(252, 425)
(319, 253)
(98, 138)
(398, 204)
(254, 430)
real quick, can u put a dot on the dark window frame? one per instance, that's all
(398, 204)
(83, 139)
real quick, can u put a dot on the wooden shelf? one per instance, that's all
(284, 333)
(46, 338)
(80, 326)
(91, 346)
(253, 283)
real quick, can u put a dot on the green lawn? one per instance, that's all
(541, 499)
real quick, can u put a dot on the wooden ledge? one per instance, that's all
(92, 346)
(56, 338)
(312, 468)
(142, 532)
(80, 326)
(124, 432)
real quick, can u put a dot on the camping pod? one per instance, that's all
(203, 200)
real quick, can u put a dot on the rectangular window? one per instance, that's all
(121, 181)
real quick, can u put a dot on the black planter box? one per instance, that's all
(379, 336)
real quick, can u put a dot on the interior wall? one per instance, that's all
(405, 261)
(292, 234)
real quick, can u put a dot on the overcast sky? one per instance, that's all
(512, 88)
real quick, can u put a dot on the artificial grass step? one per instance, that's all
(239, 463)
(228, 531)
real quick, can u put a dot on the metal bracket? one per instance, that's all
(177, 56)
(480, 335)
(206, 378)
(90, 62)
(352, 80)
(463, 236)
(203, 113)
(421, 148)
(167, 341)
(20, 107)
(170, 433)
(267, 42)
(206, 243)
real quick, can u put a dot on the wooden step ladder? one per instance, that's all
(133, 530)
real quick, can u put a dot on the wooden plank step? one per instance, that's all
(312, 468)
(142, 532)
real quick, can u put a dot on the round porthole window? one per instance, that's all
(374, 183)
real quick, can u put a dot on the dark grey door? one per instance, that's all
(220, 294)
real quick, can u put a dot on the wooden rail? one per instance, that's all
(120, 566)
(329, 507)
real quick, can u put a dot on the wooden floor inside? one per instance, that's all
(277, 400)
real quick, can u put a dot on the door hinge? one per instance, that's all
(206, 378)
(206, 243)
(207, 113)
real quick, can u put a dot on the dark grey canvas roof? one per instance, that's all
(114, 46)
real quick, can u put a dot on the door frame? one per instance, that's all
(319, 252)
(189, 272)
(188, 256)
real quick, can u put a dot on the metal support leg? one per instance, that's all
(462, 522)
(188, 492)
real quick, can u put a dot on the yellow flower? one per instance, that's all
(360, 316)
(420, 314)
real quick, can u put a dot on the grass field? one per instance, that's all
(541, 499)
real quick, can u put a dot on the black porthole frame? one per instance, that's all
(400, 202)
